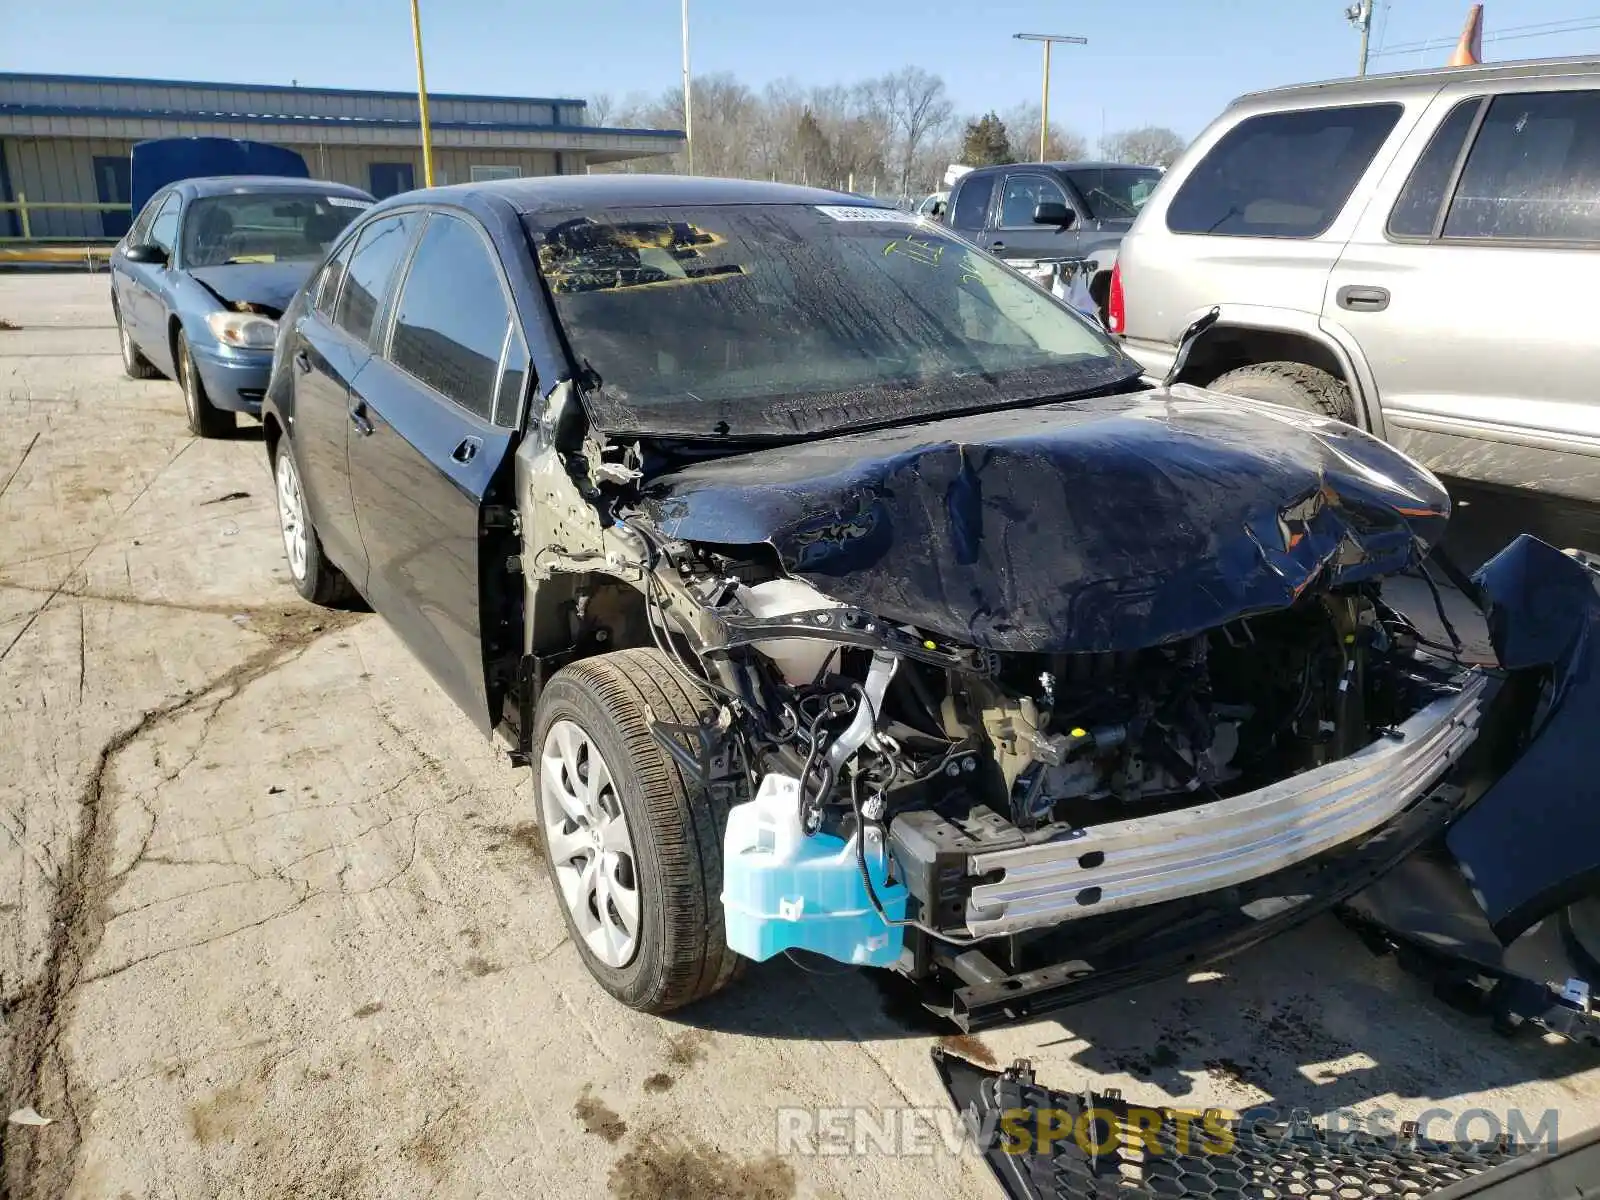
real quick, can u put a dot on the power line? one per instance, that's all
(1512, 33)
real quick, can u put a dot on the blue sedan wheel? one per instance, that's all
(205, 420)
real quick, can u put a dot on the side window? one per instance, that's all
(139, 232)
(1282, 175)
(972, 202)
(451, 326)
(379, 249)
(1533, 173)
(513, 379)
(1417, 210)
(328, 282)
(164, 229)
(1023, 194)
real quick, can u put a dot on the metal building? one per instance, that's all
(65, 138)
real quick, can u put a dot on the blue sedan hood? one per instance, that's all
(271, 285)
(1103, 524)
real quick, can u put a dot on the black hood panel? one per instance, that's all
(1104, 524)
(271, 285)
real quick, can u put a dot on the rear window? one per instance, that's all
(1282, 175)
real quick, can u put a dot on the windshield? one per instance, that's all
(265, 227)
(774, 319)
(1115, 193)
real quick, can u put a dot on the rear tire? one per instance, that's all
(134, 364)
(679, 952)
(315, 578)
(1292, 384)
(205, 419)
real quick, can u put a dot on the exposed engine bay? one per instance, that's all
(1055, 778)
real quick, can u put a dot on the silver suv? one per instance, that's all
(1418, 254)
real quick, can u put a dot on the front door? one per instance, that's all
(390, 179)
(142, 305)
(329, 347)
(1473, 302)
(1014, 233)
(430, 465)
(114, 186)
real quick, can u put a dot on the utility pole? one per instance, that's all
(1360, 15)
(1044, 103)
(688, 102)
(422, 99)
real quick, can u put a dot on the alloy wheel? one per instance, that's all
(586, 830)
(291, 513)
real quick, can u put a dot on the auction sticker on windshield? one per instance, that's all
(848, 212)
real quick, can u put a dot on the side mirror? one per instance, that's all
(1058, 215)
(147, 252)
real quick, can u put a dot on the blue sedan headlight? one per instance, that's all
(246, 331)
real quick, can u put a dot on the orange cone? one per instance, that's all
(1469, 50)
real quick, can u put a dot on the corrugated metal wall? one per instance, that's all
(52, 169)
(62, 169)
(179, 97)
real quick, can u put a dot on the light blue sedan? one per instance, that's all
(202, 276)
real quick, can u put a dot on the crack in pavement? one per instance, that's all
(41, 1162)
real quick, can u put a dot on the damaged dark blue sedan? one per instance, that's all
(846, 593)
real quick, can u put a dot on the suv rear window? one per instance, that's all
(1282, 175)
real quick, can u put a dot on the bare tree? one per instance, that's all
(1063, 144)
(1149, 146)
(914, 106)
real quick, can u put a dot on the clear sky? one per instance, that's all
(1168, 62)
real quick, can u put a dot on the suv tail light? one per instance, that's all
(1116, 307)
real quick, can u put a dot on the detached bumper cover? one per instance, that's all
(1044, 1145)
(1171, 856)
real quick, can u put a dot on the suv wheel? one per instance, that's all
(1293, 384)
(633, 845)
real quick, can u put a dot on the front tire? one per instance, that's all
(134, 364)
(205, 419)
(315, 578)
(634, 846)
(1292, 384)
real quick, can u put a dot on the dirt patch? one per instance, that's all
(682, 1169)
(1230, 1071)
(42, 1166)
(659, 1082)
(433, 1146)
(220, 1114)
(599, 1119)
(524, 836)
(969, 1047)
(480, 966)
(688, 1048)
(369, 1010)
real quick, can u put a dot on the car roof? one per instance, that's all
(244, 185)
(557, 193)
(1399, 82)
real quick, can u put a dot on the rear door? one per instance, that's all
(433, 431)
(1014, 234)
(969, 205)
(329, 345)
(1470, 289)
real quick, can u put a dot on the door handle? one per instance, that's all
(466, 451)
(997, 245)
(358, 418)
(1363, 299)
(302, 362)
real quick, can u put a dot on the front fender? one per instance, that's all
(1531, 844)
